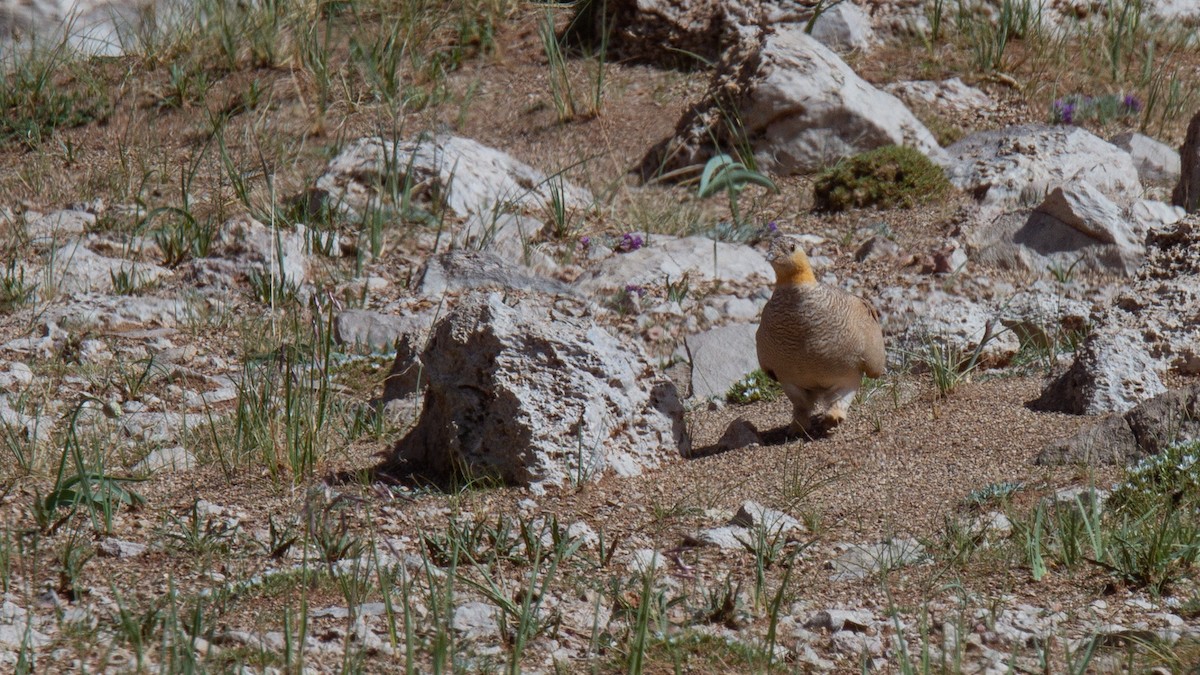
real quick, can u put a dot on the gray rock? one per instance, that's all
(860, 561)
(510, 236)
(669, 31)
(952, 94)
(845, 27)
(646, 560)
(1187, 190)
(838, 620)
(727, 537)
(1146, 429)
(751, 524)
(119, 548)
(720, 357)
(1018, 166)
(254, 247)
(379, 331)
(74, 269)
(773, 523)
(1076, 228)
(1165, 291)
(1112, 372)
(1154, 215)
(1041, 316)
(23, 426)
(1082, 207)
(471, 177)
(856, 645)
(463, 270)
(1156, 162)
(58, 227)
(922, 320)
(90, 28)
(161, 427)
(17, 377)
(17, 636)
(175, 458)
(806, 109)
(536, 396)
(991, 525)
(364, 609)
(407, 375)
(663, 257)
(741, 433)
(117, 313)
(877, 247)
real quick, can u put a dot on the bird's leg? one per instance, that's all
(802, 406)
(838, 408)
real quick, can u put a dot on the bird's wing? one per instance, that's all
(875, 357)
(870, 308)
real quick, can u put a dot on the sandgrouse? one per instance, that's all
(816, 340)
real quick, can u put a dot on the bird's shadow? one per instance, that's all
(769, 438)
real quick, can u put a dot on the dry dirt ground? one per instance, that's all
(902, 467)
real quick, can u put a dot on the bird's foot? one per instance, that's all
(820, 425)
(815, 427)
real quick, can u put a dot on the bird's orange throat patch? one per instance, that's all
(801, 272)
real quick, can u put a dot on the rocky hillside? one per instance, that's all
(364, 336)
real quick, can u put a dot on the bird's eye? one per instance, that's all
(792, 248)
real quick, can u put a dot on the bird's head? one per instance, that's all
(787, 257)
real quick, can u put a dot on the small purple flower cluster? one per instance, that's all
(1073, 109)
(585, 243)
(634, 289)
(629, 242)
(772, 228)
(1064, 112)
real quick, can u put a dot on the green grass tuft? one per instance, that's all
(892, 176)
(756, 386)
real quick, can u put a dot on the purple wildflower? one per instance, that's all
(1131, 103)
(585, 242)
(1064, 111)
(629, 242)
(634, 289)
(772, 227)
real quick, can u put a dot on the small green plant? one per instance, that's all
(15, 291)
(677, 291)
(992, 494)
(77, 550)
(185, 86)
(560, 76)
(35, 100)
(89, 486)
(127, 281)
(949, 364)
(887, 177)
(724, 173)
(280, 539)
(1063, 275)
(183, 238)
(199, 534)
(272, 289)
(330, 532)
(757, 386)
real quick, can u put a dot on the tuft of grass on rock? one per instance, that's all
(756, 386)
(887, 177)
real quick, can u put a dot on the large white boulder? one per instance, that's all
(472, 178)
(1017, 167)
(806, 109)
(536, 394)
